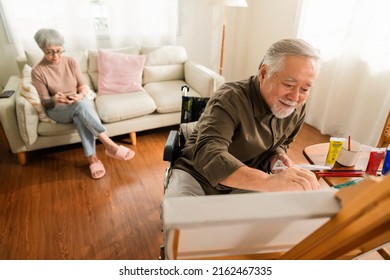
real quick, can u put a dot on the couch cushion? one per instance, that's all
(122, 106)
(48, 129)
(167, 95)
(29, 92)
(164, 55)
(33, 58)
(163, 73)
(164, 63)
(93, 61)
(119, 73)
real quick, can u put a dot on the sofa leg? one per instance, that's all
(22, 158)
(133, 138)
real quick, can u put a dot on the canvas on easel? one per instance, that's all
(283, 225)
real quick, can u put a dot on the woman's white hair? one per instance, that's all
(46, 38)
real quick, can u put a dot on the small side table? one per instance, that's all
(316, 154)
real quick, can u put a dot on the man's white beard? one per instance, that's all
(281, 112)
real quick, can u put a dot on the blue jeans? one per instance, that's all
(84, 117)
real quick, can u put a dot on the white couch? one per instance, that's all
(166, 70)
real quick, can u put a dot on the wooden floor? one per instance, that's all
(52, 209)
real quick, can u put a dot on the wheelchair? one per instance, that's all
(191, 109)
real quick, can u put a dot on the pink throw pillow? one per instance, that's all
(119, 73)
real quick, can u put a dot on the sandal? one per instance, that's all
(97, 170)
(122, 153)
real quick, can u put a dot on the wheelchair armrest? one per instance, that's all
(171, 146)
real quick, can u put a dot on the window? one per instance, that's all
(356, 28)
(85, 23)
(351, 95)
(100, 18)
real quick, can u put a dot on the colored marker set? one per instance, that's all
(386, 163)
(376, 156)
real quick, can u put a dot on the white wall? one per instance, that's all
(199, 25)
(7, 57)
(252, 30)
(249, 33)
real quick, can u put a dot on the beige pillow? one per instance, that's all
(164, 55)
(164, 63)
(29, 92)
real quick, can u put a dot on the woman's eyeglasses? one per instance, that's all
(53, 52)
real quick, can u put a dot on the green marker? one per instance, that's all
(349, 183)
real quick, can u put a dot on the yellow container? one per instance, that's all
(335, 144)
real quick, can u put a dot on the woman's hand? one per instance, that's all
(75, 97)
(62, 98)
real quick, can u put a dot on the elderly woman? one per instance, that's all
(62, 90)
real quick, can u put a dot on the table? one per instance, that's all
(316, 154)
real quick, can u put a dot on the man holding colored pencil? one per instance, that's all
(247, 127)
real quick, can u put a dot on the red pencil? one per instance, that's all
(349, 143)
(350, 173)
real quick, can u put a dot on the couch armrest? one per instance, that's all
(9, 119)
(200, 78)
(28, 119)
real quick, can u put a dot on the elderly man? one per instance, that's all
(247, 126)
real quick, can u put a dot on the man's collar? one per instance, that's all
(260, 107)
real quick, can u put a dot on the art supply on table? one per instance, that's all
(349, 183)
(349, 143)
(350, 152)
(375, 159)
(335, 144)
(305, 166)
(386, 163)
(340, 173)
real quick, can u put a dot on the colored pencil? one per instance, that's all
(349, 183)
(342, 170)
(340, 174)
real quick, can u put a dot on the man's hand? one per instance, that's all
(292, 179)
(283, 158)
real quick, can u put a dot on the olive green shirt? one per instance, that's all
(236, 129)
